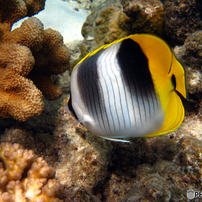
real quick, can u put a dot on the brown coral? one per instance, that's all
(24, 177)
(19, 96)
(50, 53)
(13, 10)
(52, 59)
(30, 34)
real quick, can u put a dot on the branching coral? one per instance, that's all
(25, 177)
(20, 98)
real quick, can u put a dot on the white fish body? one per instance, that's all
(111, 105)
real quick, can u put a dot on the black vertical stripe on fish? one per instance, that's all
(135, 92)
(89, 87)
(95, 97)
(135, 70)
(93, 87)
(85, 76)
(147, 98)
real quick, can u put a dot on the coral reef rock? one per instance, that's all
(172, 167)
(42, 144)
(191, 55)
(153, 169)
(83, 156)
(110, 25)
(25, 177)
(182, 18)
(115, 20)
(148, 15)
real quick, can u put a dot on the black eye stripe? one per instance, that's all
(173, 79)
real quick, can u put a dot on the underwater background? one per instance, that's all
(36, 60)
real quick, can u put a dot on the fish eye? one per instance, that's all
(173, 80)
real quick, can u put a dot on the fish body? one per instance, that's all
(129, 88)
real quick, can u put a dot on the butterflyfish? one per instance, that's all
(129, 88)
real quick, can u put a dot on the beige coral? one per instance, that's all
(52, 59)
(25, 74)
(29, 34)
(25, 177)
(19, 96)
(50, 54)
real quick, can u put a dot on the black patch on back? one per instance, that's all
(134, 67)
